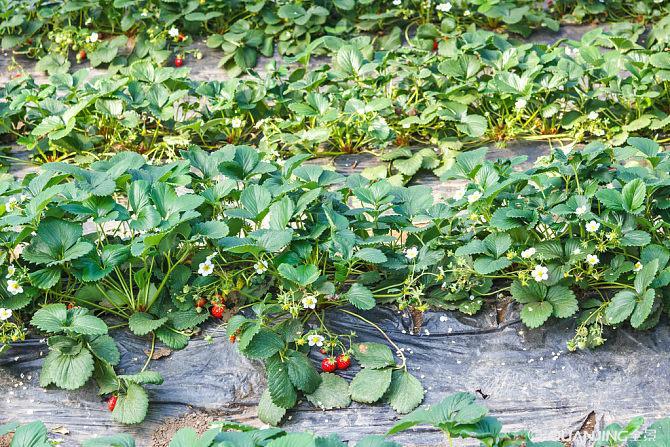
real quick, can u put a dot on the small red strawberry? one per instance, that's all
(328, 365)
(181, 37)
(70, 306)
(435, 45)
(343, 361)
(178, 61)
(232, 338)
(82, 55)
(200, 303)
(217, 311)
(111, 403)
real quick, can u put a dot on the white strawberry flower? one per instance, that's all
(14, 287)
(93, 38)
(315, 340)
(173, 32)
(529, 252)
(580, 210)
(5, 314)
(638, 266)
(397, 2)
(520, 104)
(206, 268)
(593, 115)
(472, 198)
(540, 273)
(592, 259)
(592, 226)
(261, 266)
(309, 302)
(10, 271)
(236, 123)
(11, 204)
(411, 253)
(443, 7)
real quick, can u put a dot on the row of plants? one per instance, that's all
(474, 89)
(458, 416)
(161, 247)
(117, 32)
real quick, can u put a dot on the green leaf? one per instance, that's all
(457, 409)
(104, 347)
(33, 434)
(497, 244)
(373, 355)
(67, 371)
(131, 407)
(141, 323)
(333, 392)
(279, 383)
(635, 238)
(303, 274)
(369, 385)
(405, 392)
(535, 314)
(143, 378)
(621, 306)
(633, 194)
(486, 265)
(117, 440)
(371, 255)
(563, 301)
(50, 318)
(268, 412)
(171, 338)
(263, 344)
(293, 440)
(646, 276)
(57, 241)
(360, 297)
(643, 308)
(301, 372)
(87, 325)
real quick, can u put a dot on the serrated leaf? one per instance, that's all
(279, 383)
(268, 412)
(171, 338)
(405, 392)
(371, 255)
(369, 385)
(141, 323)
(333, 392)
(535, 314)
(373, 355)
(301, 372)
(50, 318)
(360, 297)
(132, 406)
(621, 306)
(643, 308)
(563, 301)
(263, 344)
(67, 371)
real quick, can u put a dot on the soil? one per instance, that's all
(6, 440)
(199, 421)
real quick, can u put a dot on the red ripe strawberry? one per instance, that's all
(328, 365)
(232, 338)
(111, 403)
(181, 38)
(70, 306)
(322, 351)
(201, 302)
(343, 361)
(82, 55)
(435, 45)
(217, 311)
(178, 61)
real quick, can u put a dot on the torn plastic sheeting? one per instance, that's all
(529, 379)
